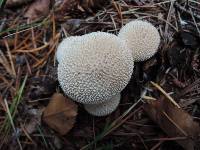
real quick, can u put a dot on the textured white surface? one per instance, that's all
(104, 108)
(142, 38)
(65, 46)
(96, 68)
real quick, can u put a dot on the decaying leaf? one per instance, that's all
(13, 3)
(60, 114)
(38, 9)
(173, 121)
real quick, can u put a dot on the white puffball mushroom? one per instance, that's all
(142, 38)
(104, 108)
(65, 46)
(96, 68)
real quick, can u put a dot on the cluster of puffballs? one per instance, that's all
(94, 68)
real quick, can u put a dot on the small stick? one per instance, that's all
(165, 94)
(169, 17)
(10, 57)
(194, 20)
(31, 50)
(53, 26)
(185, 10)
(5, 63)
(55, 42)
(16, 39)
(149, 98)
(33, 38)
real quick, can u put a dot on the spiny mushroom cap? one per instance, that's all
(142, 38)
(65, 46)
(97, 67)
(104, 108)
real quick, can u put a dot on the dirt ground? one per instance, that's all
(167, 118)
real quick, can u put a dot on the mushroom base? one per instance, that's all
(104, 108)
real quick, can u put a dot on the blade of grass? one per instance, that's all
(43, 138)
(26, 26)
(12, 123)
(2, 2)
(7, 125)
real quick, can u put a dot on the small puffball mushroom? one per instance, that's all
(142, 38)
(104, 108)
(65, 46)
(96, 68)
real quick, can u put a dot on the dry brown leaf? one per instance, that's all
(173, 121)
(13, 3)
(38, 9)
(60, 114)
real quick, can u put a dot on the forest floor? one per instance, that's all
(168, 116)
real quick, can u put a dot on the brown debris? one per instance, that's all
(30, 127)
(14, 3)
(90, 5)
(38, 9)
(63, 6)
(173, 121)
(41, 88)
(60, 114)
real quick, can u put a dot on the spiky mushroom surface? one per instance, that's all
(104, 108)
(65, 46)
(96, 68)
(142, 38)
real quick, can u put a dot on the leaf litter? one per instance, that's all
(60, 114)
(38, 9)
(174, 121)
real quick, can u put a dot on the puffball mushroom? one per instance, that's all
(97, 67)
(142, 38)
(104, 108)
(65, 46)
